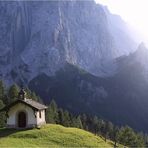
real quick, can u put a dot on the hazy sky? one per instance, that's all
(135, 12)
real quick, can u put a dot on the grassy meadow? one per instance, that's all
(51, 135)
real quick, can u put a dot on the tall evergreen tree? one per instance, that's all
(76, 122)
(2, 90)
(13, 93)
(2, 115)
(96, 124)
(108, 129)
(146, 140)
(60, 116)
(101, 126)
(34, 96)
(52, 113)
(3, 96)
(67, 119)
(84, 121)
(79, 122)
(28, 93)
(115, 135)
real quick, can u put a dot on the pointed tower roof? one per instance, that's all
(22, 94)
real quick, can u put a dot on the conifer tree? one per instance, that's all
(3, 96)
(96, 124)
(13, 93)
(146, 140)
(52, 113)
(2, 115)
(110, 130)
(84, 121)
(67, 120)
(34, 96)
(101, 126)
(79, 123)
(106, 130)
(115, 135)
(2, 90)
(28, 93)
(61, 116)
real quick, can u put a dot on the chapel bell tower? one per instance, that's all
(22, 94)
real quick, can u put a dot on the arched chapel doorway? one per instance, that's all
(22, 119)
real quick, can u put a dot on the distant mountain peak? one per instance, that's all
(142, 51)
(142, 46)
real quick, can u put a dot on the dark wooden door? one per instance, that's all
(22, 119)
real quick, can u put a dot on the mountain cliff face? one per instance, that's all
(122, 34)
(41, 36)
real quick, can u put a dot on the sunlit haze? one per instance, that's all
(135, 12)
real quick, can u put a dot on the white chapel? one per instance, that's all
(25, 113)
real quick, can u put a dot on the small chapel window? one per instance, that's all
(40, 114)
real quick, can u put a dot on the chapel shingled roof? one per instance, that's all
(33, 104)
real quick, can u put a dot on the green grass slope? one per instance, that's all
(51, 136)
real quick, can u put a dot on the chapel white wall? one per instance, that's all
(13, 112)
(41, 120)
